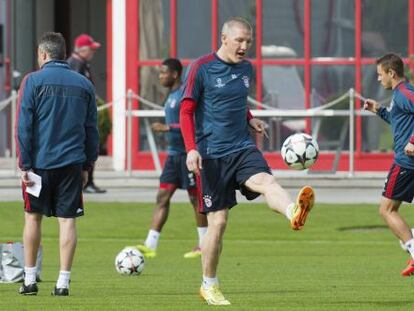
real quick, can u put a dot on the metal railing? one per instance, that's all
(321, 111)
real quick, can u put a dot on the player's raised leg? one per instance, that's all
(201, 221)
(211, 250)
(159, 218)
(389, 212)
(278, 199)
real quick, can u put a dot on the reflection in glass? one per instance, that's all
(333, 28)
(384, 27)
(283, 25)
(376, 135)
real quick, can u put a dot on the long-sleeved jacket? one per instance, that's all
(56, 122)
(400, 115)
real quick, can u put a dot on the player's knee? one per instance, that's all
(218, 225)
(163, 199)
(385, 210)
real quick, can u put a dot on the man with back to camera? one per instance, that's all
(175, 173)
(399, 185)
(225, 157)
(83, 52)
(57, 138)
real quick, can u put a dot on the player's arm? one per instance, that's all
(160, 127)
(375, 107)
(187, 109)
(92, 134)
(24, 125)
(256, 124)
(408, 107)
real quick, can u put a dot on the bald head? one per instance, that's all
(234, 22)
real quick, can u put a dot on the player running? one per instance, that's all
(175, 173)
(399, 185)
(225, 157)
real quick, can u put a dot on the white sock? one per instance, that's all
(207, 282)
(152, 239)
(63, 280)
(201, 233)
(409, 245)
(29, 275)
(289, 211)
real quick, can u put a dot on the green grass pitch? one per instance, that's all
(344, 259)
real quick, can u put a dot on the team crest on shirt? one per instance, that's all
(207, 200)
(246, 81)
(219, 83)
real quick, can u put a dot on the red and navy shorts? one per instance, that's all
(61, 193)
(176, 174)
(399, 185)
(220, 178)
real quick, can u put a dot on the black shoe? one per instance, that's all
(60, 292)
(29, 289)
(93, 189)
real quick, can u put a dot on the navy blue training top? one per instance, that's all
(172, 118)
(400, 114)
(220, 90)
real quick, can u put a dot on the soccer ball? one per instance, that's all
(129, 261)
(402, 244)
(300, 151)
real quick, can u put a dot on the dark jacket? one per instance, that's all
(57, 119)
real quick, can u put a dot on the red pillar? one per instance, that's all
(173, 28)
(259, 33)
(214, 25)
(307, 56)
(358, 67)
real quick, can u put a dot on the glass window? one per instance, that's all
(376, 134)
(333, 28)
(283, 27)
(384, 27)
(242, 8)
(328, 84)
(193, 28)
(154, 28)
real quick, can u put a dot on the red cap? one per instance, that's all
(86, 40)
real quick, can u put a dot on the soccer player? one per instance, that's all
(225, 157)
(399, 185)
(83, 52)
(57, 138)
(175, 173)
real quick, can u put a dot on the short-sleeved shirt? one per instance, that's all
(172, 119)
(220, 90)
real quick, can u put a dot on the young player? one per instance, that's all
(175, 173)
(226, 158)
(399, 185)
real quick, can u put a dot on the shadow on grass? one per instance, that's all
(363, 228)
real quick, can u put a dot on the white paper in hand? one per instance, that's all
(35, 189)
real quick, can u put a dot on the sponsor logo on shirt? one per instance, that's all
(391, 105)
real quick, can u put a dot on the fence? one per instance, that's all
(323, 111)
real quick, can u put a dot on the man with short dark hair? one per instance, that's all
(83, 52)
(175, 173)
(399, 185)
(221, 151)
(57, 139)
